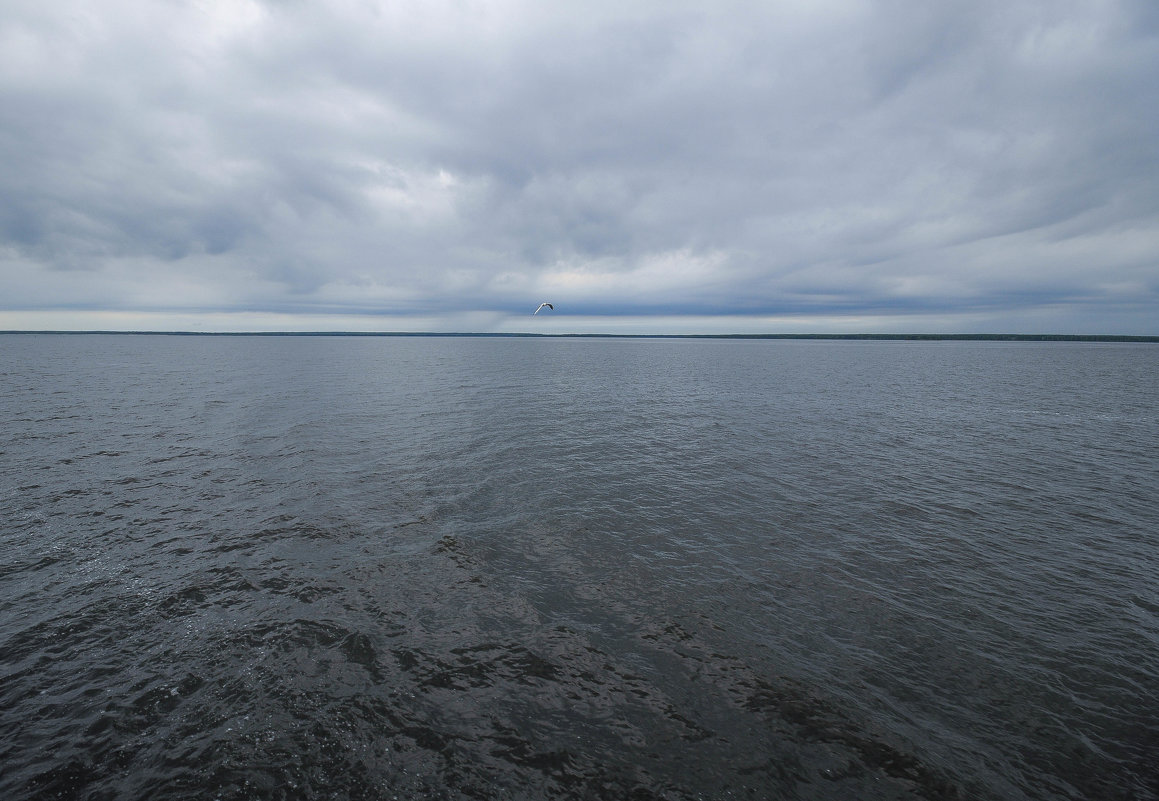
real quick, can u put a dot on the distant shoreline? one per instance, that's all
(887, 337)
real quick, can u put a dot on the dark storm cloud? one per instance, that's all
(862, 158)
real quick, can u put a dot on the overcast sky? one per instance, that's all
(817, 165)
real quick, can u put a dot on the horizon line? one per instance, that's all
(1009, 337)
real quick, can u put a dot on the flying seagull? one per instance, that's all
(541, 305)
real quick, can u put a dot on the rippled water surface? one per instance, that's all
(473, 568)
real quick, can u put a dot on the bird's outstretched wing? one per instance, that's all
(541, 305)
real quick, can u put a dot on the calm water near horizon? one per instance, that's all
(474, 568)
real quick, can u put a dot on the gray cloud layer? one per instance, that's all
(978, 162)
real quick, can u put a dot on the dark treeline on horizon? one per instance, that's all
(893, 337)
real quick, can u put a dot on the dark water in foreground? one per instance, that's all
(535, 568)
